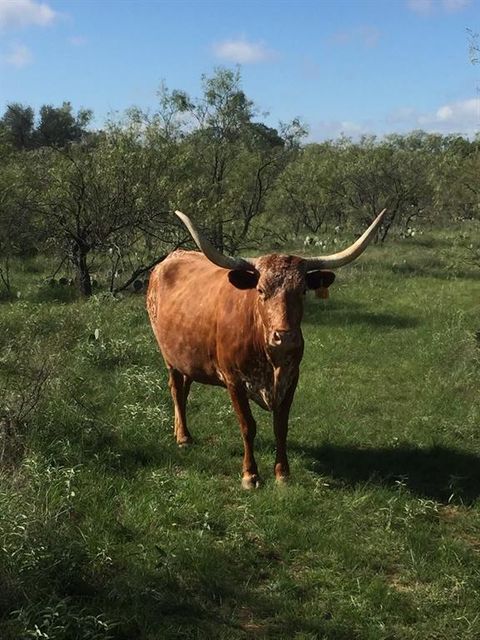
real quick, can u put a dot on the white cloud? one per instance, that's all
(462, 116)
(242, 51)
(19, 56)
(22, 13)
(444, 113)
(332, 129)
(425, 7)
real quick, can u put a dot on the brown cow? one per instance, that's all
(236, 323)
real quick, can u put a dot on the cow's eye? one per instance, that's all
(261, 292)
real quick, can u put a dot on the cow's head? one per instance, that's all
(281, 281)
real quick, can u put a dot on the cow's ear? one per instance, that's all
(243, 279)
(320, 279)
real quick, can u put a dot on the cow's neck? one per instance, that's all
(271, 373)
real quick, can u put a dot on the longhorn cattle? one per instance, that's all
(235, 323)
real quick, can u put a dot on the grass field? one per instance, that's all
(108, 530)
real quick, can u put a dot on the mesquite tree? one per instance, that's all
(104, 198)
(227, 162)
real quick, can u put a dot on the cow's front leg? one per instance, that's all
(280, 428)
(248, 428)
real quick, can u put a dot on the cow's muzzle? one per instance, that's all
(286, 340)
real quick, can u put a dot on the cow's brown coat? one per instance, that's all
(245, 339)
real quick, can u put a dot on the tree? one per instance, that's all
(473, 46)
(18, 124)
(310, 193)
(107, 203)
(58, 126)
(389, 174)
(18, 191)
(227, 162)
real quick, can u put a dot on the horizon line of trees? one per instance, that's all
(100, 201)
(55, 126)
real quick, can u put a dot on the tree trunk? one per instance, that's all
(5, 275)
(82, 278)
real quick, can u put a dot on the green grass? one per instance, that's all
(108, 530)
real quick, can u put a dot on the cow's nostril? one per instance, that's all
(285, 338)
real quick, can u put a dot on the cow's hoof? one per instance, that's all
(281, 480)
(184, 442)
(250, 482)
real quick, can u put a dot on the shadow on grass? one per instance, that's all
(7, 297)
(438, 473)
(55, 294)
(205, 593)
(334, 315)
(437, 271)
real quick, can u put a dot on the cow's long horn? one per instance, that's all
(347, 255)
(207, 248)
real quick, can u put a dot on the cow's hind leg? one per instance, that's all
(179, 388)
(248, 427)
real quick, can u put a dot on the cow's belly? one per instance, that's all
(191, 358)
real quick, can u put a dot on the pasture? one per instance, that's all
(109, 530)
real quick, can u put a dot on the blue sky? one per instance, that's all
(351, 66)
